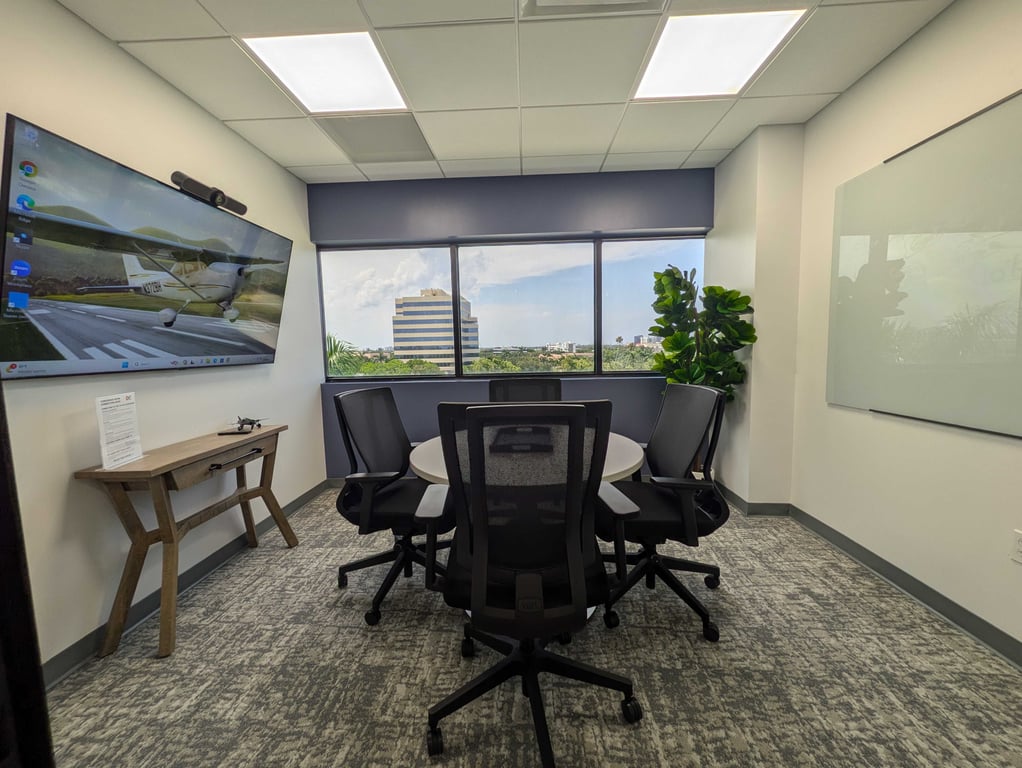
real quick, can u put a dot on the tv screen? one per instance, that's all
(106, 269)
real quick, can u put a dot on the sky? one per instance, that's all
(522, 294)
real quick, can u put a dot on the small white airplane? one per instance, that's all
(198, 275)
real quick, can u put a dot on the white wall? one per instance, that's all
(938, 502)
(65, 77)
(754, 248)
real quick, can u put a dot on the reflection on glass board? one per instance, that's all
(926, 291)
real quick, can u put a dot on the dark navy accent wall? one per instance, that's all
(636, 404)
(432, 210)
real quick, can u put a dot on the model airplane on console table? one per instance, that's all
(242, 426)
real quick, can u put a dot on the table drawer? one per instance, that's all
(225, 461)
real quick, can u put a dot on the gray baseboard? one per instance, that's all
(996, 639)
(773, 509)
(985, 632)
(72, 657)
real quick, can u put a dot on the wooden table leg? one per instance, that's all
(246, 510)
(170, 536)
(265, 478)
(140, 541)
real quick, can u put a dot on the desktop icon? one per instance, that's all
(21, 236)
(28, 169)
(31, 133)
(17, 300)
(25, 202)
(20, 268)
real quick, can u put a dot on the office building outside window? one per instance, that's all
(424, 329)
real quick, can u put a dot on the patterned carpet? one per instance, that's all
(820, 663)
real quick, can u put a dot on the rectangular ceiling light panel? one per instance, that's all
(330, 73)
(714, 54)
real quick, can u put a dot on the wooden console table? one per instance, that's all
(174, 468)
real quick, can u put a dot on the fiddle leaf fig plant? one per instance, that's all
(699, 345)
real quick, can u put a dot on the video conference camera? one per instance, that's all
(210, 195)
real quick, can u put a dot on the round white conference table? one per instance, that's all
(624, 456)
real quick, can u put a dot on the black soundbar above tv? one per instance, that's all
(108, 270)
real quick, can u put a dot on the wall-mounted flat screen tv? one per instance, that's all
(106, 269)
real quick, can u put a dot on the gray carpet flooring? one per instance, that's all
(820, 663)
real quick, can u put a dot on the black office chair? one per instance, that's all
(674, 505)
(524, 389)
(382, 497)
(525, 560)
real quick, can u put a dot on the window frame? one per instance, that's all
(456, 297)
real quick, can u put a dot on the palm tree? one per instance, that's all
(342, 358)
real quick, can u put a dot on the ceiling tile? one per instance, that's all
(218, 75)
(570, 130)
(422, 169)
(378, 138)
(471, 134)
(291, 141)
(489, 166)
(839, 44)
(583, 61)
(749, 113)
(563, 164)
(295, 17)
(466, 66)
(668, 126)
(394, 13)
(644, 161)
(320, 174)
(130, 20)
(706, 158)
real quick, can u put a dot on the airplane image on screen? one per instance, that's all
(199, 274)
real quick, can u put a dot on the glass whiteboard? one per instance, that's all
(926, 282)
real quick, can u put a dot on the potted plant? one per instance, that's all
(699, 344)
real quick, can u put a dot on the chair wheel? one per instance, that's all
(564, 638)
(468, 648)
(372, 618)
(611, 619)
(712, 581)
(342, 579)
(710, 632)
(435, 742)
(631, 710)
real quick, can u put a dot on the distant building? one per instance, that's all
(647, 341)
(561, 346)
(424, 329)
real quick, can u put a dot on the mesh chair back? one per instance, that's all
(524, 390)
(371, 424)
(686, 429)
(524, 480)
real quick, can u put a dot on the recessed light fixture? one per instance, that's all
(330, 73)
(713, 54)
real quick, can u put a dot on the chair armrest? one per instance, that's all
(687, 501)
(682, 483)
(430, 510)
(370, 477)
(431, 506)
(619, 504)
(621, 509)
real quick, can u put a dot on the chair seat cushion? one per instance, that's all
(457, 584)
(659, 517)
(393, 507)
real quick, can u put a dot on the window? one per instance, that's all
(533, 306)
(628, 267)
(388, 312)
(523, 307)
